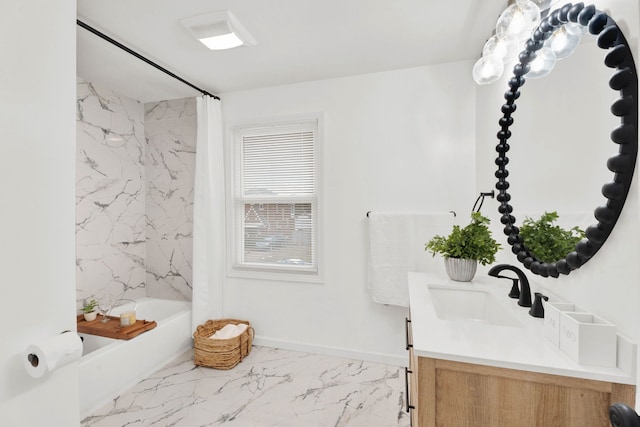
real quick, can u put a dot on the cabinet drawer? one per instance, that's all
(463, 394)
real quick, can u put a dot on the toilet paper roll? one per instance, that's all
(53, 353)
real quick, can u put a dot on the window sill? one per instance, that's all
(275, 274)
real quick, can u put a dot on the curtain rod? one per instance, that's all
(137, 55)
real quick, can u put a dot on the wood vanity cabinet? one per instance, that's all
(445, 393)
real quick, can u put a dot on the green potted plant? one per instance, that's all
(549, 242)
(89, 309)
(465, 247)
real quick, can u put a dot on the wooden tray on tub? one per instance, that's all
(112, 328)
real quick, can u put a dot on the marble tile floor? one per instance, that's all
(269, 388)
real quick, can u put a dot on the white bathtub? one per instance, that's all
(110, 366)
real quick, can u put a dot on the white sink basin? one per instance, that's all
(471, 305)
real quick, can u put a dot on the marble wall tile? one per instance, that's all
(134, 196)
(110, 195)
(170, 131)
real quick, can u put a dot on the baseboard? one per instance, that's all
(387, 359)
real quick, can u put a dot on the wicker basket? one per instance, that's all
(221, 353)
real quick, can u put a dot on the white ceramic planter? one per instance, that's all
(588, 339)
(459, 269)
(90, 317)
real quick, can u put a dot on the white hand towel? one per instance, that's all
(225, 332)
(240, 328)
(396, 247)
(229, 331)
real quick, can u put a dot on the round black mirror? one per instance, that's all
(622, 165)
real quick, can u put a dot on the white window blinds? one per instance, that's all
(276, 197)
(279, 164)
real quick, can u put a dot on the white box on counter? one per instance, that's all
(552, 311)
(588, 339)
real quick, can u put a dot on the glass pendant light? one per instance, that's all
(518, 20)
(515, 25)
(542, 4)
(576, 29)
(504, 48)
(487, 69)
(563, 42)
(543, 64)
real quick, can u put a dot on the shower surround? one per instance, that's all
(170, 131)
(134, 195)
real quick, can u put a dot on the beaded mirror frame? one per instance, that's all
(624, 80)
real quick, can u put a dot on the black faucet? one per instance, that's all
(537, 309)
(524, 299)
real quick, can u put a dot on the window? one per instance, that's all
(275, 197)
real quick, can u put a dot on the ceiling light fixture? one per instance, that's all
(518, 20)
(564, 40)
(513, 28)
(218, 30)
(543, 63)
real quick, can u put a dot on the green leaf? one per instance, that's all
(549, 242)
(471, 242)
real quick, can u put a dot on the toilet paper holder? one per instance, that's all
(35, 360)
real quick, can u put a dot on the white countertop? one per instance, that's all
(523, 347)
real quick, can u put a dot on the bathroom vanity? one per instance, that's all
(479, 359)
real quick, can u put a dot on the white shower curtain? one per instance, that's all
(208, 214)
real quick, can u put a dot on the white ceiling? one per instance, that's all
(297, 40)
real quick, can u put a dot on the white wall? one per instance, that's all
(391, 141)
(396, 141)
(37, 172)
(561, 145)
